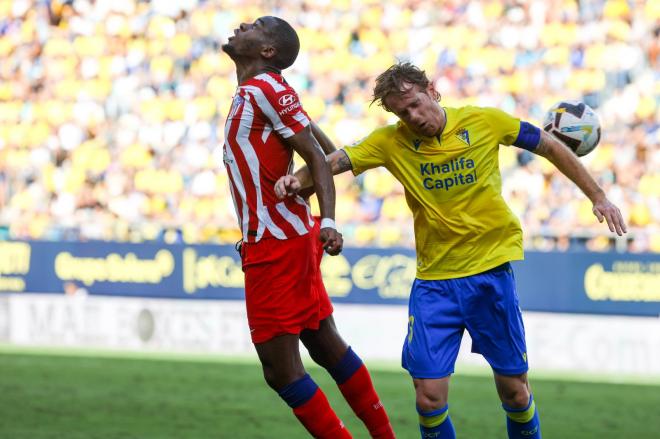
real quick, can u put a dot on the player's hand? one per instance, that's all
(606, 211)
(287, 186)
(332, 241)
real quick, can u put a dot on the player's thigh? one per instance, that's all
(325, 345)
(280, 360)
(279, 287)
(431, 394)
(493, 318)
(278, 274)
(435, 329)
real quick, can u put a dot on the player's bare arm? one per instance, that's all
(293, 186)
(567, 162)
(302, 178)
(325, 142)
(339, 162)
(306, 145)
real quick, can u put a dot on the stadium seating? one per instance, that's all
(111, 112)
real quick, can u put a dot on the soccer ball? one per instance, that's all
(575, 124)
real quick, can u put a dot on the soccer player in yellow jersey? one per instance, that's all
(447, 161)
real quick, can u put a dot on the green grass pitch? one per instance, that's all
(48, 395)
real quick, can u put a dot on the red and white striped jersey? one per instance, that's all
(265, 111)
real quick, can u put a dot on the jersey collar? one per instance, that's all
(450, 122)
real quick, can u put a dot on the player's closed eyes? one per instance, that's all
(405, 113)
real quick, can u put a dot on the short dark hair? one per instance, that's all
(393, 79)
(286, 43)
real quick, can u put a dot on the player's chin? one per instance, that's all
(228, 48)
(430, 130)
(427, 130)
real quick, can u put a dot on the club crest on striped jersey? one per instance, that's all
(235, 105)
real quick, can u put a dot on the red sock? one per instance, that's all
(319, 419)
(362, 397)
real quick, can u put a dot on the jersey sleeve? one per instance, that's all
(504, 126)
(282, 108)
(510, 130)
(367, 153)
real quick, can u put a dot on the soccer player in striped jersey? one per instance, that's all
(447, 161)
(282, 244)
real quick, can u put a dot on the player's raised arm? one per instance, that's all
(306, 145)
(567, 162)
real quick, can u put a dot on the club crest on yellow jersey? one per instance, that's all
(463, 135)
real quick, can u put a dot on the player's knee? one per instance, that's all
(317, 357)
(325, 349)
(516, 397)
(279, 378)
(431, 394)
(324, 359)
(271, 377)
(429, 402)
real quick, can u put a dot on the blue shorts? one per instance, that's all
(485, 304)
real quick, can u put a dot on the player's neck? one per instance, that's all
(243, 73)
(438, 135)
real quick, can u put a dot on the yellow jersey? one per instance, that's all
(452, 185)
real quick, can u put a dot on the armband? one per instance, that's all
(529, 137)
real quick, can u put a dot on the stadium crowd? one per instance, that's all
(112, 111)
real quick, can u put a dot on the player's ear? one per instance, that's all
(430, 89)
(268, 51)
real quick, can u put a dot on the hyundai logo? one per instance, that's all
(287, 100)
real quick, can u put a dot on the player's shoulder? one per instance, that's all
(277, 93)
(467, 111)
(473, 113)
(388, 131)
(269, 83)
(384, 135)
(380, 138)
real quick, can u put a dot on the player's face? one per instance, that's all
(417, 108)
(248, 39)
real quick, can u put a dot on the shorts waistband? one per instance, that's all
(502, 267)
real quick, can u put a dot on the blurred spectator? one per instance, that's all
(71, 289)
(111, 111)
